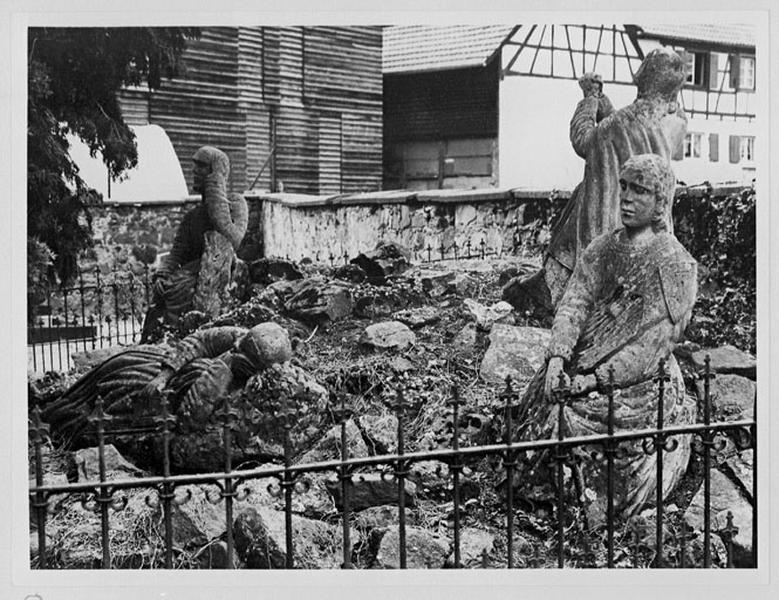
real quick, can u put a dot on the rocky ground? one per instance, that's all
(365, 330)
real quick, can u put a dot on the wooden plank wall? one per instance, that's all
(321, 85)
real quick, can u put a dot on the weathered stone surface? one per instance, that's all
(381, 432)
(198, 521)
(270, 270)
(117, 467)
(372, 489)
(389, 335)
(725, 496)
(351, 273)
(377, 517)
(329, 446)
(528, 293)
(486, 316)
(473, 544)
(732, 397)
(386, 260)
(430, 475)
(515, 351)
(466, 337)
(269, 343)
(400, 364)
(439, 283)
(418, 317)
(519, 269)
(727, 359)
(741, 467)
(424, 549)
(214, 275)
(260, 541)
(318, 300)
(214, 556)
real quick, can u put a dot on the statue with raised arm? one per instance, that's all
(195, 273)
(628, 302)
(605, 139)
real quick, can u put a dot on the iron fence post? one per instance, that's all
(662, 378)
(456, 467)
(83, 303)
(345, 477)
(562, 399)
(707, 441)
(509, 463)
(99, 417)
(610, 449)
(400, 474)
(38, 431)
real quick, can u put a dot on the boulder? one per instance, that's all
(260, 541)
(351, 273)
(269, 270)
(388, 335)
(424, 549)
(386, 260)
(474, 543)
(329, 446)
(317, 300)
(740, 466)
(418, 317)
(466, 337)
(377, 517)
(400, 364)
(437, 283)
(486, 316)
(371, 489)
(732, 397)
(116, 466)
(515, 351)
(529, 294)
(381, 432)
(725, 496)
(727, 359)
(197, 521)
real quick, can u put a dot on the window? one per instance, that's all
(697, 68)
(746, 73)
(747, 148)
(692, 145)
(742, 148)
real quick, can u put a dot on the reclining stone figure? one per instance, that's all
(628, 302)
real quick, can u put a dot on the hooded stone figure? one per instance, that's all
(628, 302)
(652, 123)
(198, 268)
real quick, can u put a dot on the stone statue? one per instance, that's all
(195, 273)
(628, 301)
(605, 139)
(199, 370)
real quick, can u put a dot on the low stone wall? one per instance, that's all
(430, 223)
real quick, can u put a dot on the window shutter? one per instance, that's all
(713, 147)
(734, 68)
(735, 148)
(713, 70)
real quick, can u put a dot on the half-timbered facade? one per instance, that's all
(532, 71)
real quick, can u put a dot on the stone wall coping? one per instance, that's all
(407, 197)
(419, 196)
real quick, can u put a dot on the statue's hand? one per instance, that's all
(591, 84)
(160, 284)
(157, 385)
(553, 371)
(581, 384)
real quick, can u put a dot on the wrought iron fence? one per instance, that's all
(104, 496)
(102, 310)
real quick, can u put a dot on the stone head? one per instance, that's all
(646, 191)
(209, 160)
(262, 346)
(662, 73)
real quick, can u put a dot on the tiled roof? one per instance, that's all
(408, 48)
(729, 35)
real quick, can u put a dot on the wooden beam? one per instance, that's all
(521, 47)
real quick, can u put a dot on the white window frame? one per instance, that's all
(693, 142)
(747, 149)
(746, 83)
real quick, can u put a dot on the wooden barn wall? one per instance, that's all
(320, 86)
(441, 104)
